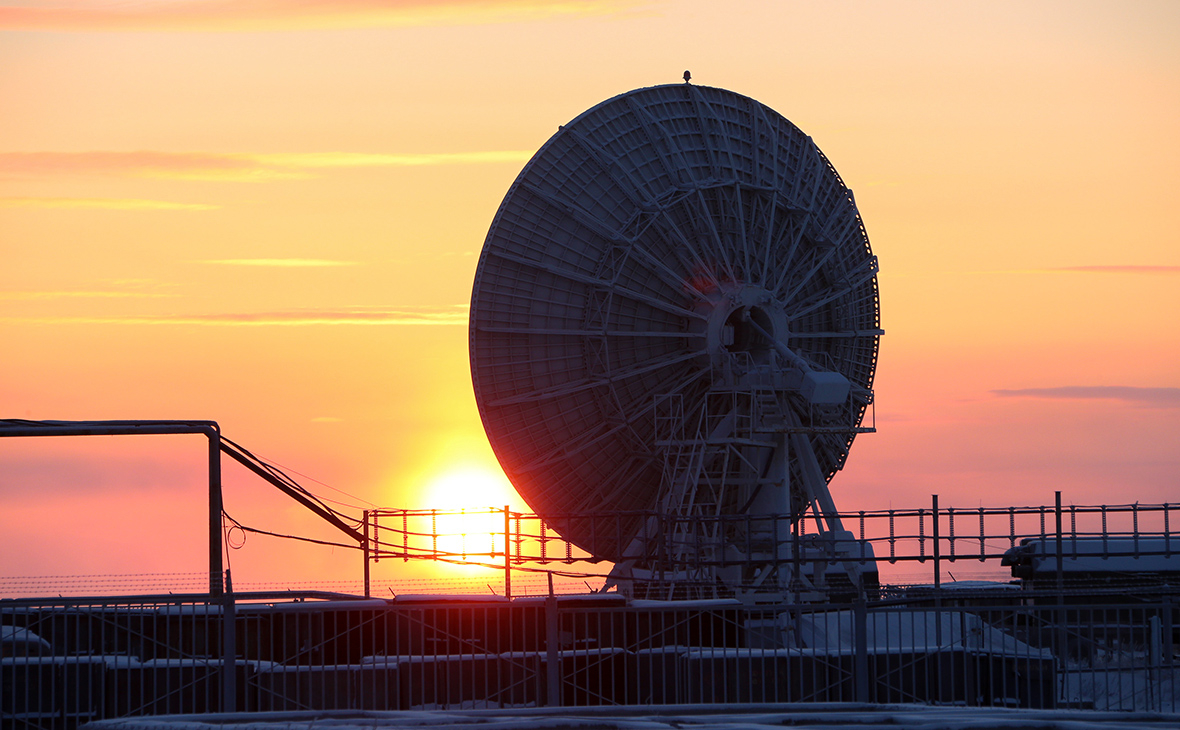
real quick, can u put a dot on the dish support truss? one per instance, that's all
(748, 451)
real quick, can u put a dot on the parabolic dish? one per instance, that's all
(622, 268)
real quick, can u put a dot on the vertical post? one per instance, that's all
(937, 552)
(661, 559)
(972, 667)
(552, 648)
(798, 559)
(215, 508)
(860, 633)
(1167, 648)
(229, 642)
(507, 553)
(937, 588)
(365, 545)
(1060, 546)
(1059, 634)
(1155, 656)
(778, 547)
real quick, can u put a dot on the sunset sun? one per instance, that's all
(470, 486)
(470, 500)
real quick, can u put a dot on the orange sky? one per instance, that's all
(268, 214)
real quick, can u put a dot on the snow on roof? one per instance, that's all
(1097, 555)
(298, 605)
(190, 609)
(257, 664)
(598, 599)
(963, 586)
(276, 668)
(112, 662)
(704, 717)
(447, 598)
(16, 640)
(696, 603)
(910, 630)
(978, 585)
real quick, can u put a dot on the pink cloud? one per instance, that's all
(282, 263)
(418, 316)
(447, 315)
(1121, 269)
(1100, 269)
(1154, 397)
(79, 294)
(138, 164)
(231, 167)
(102, 204)
(235, 15)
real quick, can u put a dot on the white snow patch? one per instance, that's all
(912, 631)
(669, 717)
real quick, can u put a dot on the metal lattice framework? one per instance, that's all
(676, 307)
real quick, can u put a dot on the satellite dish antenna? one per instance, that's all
(676, 313)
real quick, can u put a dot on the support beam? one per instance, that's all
(217, 446)
(246, 460)
(23, 428)
(215, 509)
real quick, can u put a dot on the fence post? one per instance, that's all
(507, 553)
(937, 583)
(972, 664)
(1155, 640)
(552, 647)
(365, 545)
(937, 552)
(1167, 649)
(215, 510)
(229, 664)
(1061, 553)
(860, 635)
(1060, 646)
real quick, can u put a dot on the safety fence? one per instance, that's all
(1131, 540)
(66, 662)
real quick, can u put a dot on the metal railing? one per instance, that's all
(929, 541)
(1092, 623)
(66, 662)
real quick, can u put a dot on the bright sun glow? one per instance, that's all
(470, 501)
(471, 487)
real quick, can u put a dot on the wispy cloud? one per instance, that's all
(253, 15)
(1154, 397)
(101, 289)
(370, 159)
(1107, 269)
(102, 204)
(447, 315)
(98, 294)
(232, 167)
(1120, 269)
(281, 263)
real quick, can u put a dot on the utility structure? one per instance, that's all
(675, 318)
(218, 445)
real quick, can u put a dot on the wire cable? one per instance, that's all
(283, 477)
(323, 484)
